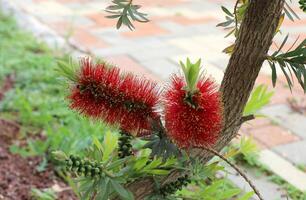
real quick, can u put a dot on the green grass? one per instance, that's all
(37, 100)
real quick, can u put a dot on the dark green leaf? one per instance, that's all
(274, 73)
(121, 191)
(281, 46)
(119, 22)
(227, 11)
(226, 23)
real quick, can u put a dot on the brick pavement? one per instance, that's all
(178, 28)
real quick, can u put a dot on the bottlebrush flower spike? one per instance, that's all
(193, 112)
(102, 92)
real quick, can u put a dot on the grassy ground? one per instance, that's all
(37, 99)
(33, 96)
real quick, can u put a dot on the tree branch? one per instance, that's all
(246, 118)
(237, 169)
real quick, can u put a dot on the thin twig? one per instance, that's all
(211, 150)
(235, 13)
(94, 195)
(247, 118)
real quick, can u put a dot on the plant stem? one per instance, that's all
(94, 195)
(235, 13)
(211, 150)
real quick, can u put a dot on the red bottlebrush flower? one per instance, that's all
(102, 92)
(193, 120)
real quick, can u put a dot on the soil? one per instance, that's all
(18, 175)
(7, 85)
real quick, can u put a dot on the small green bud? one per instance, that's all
(97, 170)
(124, 148)
(77, 163)
(59, 155)
(69, 162)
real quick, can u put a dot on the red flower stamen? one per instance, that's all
(193, 119)
(102, 92)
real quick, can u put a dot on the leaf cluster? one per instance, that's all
(113, 172)
(191, 73)
(260, 97)
(126, 12)
(234, 19)
(292, 62)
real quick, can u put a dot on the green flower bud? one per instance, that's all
(97, 170)
(69, 162)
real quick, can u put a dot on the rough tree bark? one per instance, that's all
(252, 44)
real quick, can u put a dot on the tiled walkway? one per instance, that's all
(179, 28)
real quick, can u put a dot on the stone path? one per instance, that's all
(178, 29)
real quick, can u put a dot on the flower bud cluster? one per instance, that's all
(83, 167)
(172, 187)
(125, 146)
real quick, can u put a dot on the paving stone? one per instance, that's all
(283, 115)
(293, 152)
(110, 51)
(256, 123)
(172, 26)
(284, 169)
(281, 91)
(48, 7)
(31, 24)
(161, 67)
(148, 53)
(127, 64)
(267, 189)
(145, 30)
(186, 20)
(160, 3)
(101, 21)
(111, 36)
(200, 46)
(87, 40)
(271, 135)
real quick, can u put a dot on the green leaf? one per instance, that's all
(46, 194)
(104, 188)
(259, 98)
(282, 66)
(247, 196)
(121, 191)
(274, 73)
(226, 23)
(281, 46)
(119, 22)
(97, 143)
(110, 143)
(191, 72)
(67, 70)
(229, 193)
(291, 10)
(118, 163)
(226, 11)
(140, 163)
(161, 172)
(155, 163)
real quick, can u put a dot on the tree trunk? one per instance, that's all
(252, 44)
